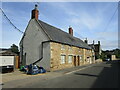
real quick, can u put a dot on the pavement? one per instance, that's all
(17, 77)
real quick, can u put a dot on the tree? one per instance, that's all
(103, 55)
(14, 48)
(117, 53)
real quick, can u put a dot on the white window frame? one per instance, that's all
(70, 58)
(81, 58)
(63, 59)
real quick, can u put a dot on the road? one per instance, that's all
(103, 75)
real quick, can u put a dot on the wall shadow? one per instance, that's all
(86, 74)
(109, 77)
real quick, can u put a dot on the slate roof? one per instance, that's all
(92, 46)
(7, 52)
(58, 35)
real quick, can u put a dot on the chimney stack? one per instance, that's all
(86, 41)
(93, 42)
(35, 13)
(70, 30)
(99, 42)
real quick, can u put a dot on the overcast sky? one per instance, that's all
(88, 19)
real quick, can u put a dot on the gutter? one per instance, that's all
(71, 45)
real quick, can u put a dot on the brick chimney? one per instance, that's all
(35, 13)
(70, 31)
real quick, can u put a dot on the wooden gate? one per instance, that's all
(17, 62)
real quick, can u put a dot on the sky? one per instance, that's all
(91, 20)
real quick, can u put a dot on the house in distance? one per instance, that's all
(51, 47)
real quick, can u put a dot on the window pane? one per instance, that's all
(70, 59)
(62, 59)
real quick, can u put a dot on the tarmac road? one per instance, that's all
(103, 75)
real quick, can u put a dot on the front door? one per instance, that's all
(78, 60)
(74, 60)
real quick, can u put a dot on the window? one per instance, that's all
(62, 47)
(63, 59)
(81, 59)
(70, 59)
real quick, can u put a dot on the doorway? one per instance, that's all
(74, 60)
(24, 60)
(78, 57)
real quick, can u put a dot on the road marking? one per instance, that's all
(78, 70)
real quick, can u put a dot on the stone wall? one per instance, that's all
(80, 56)
(113, 57)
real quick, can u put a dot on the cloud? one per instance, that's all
(82, 17)
(93, 25)
(108, 40)
(108, 34)
(109, 44)
(86, 20)
(92, 20)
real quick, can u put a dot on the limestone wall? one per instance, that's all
(79, 56)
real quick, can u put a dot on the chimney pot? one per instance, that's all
(36, 6)
(70, 31)
(35, 13)
(99, 42)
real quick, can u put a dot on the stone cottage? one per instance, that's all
(51, 47)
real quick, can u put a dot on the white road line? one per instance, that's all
(78, 70)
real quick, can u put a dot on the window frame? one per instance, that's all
(70, 61)
(62, 61)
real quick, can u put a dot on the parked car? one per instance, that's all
(107, 59)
